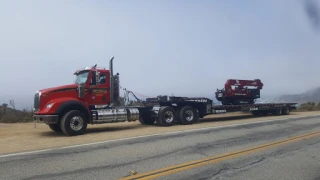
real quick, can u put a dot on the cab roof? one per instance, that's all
(100, 69)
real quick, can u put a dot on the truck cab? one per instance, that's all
(93, 97)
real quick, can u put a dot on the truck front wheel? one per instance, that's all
(55, 127)
(73, 123)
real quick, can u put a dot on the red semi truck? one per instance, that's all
(94, 99)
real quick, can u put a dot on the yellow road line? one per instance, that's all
(214, 159)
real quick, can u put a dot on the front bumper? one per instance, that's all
(48, 119)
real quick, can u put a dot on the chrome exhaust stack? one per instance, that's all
(111, 80)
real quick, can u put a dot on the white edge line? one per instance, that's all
(150, 135)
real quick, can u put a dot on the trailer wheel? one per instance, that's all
(166, 116)
(278, 112)
(285, 111)
(188, 115)
(73, 123)
(55, 127)
(146, 119)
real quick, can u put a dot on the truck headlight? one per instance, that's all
(49, 105)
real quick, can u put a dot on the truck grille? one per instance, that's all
(36, 104)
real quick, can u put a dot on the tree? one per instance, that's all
(13, 105)
(4, 108)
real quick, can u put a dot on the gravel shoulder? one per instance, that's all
(20, 137)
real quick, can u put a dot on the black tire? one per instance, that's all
(146, 119)
(277, 112)
(166, 116)
(75, 118)
(188, 115)
(55, 127)
(285, 111)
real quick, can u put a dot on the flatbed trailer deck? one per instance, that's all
(186, 110)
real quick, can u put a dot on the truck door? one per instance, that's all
(98, 92)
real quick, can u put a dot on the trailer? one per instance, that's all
(94, 98)
(186, 110)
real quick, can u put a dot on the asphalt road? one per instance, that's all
(284, 149)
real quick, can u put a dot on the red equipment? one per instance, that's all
(237, 92)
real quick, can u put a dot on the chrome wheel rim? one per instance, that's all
(168, 116)
(76, 123)
(189, 115)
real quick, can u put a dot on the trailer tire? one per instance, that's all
(285, 111)
(188, 115)
(73, 123)
(278, 112)
(146, 119)
(55, 127)
(166, 116)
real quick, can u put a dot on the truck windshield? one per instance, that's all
(82, 77)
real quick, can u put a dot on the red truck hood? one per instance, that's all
(59, 88)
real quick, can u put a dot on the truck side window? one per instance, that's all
(102, 79)
(93, 78)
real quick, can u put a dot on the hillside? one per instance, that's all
(312, 95)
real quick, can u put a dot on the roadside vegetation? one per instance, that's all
(309, 106)
(8, 114)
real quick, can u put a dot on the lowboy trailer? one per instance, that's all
(184, 110)
(94, 99)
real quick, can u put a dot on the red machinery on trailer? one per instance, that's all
(236, 92)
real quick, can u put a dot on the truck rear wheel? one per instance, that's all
(73, 123)
(166, 116)
(188, 115)
(55, 127)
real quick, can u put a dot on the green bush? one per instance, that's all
(14, 116)
(309, 106)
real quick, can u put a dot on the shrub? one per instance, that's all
(8, 115)
(309, 106)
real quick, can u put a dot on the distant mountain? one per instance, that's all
(312, 95)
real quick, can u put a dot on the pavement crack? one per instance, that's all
(209, 175)
(251, 163)
(212, 175)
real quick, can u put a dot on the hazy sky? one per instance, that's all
(187, 48)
